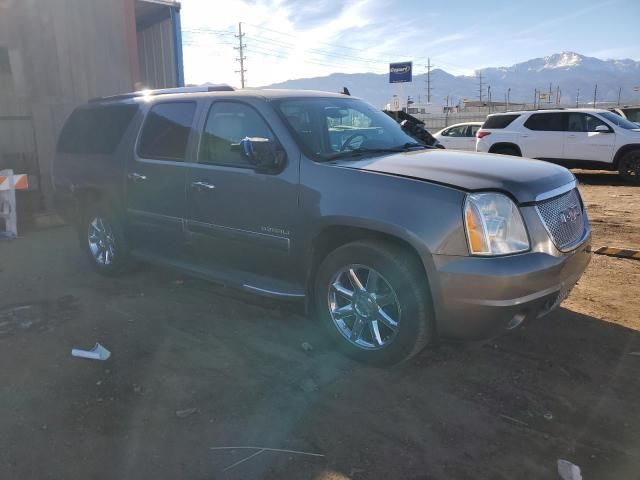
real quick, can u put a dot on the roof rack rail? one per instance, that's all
(165, 91)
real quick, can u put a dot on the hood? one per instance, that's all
(523, 178)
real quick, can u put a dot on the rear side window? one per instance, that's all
(499, 121)
(95, 129)
(166, 131)
(546, 122)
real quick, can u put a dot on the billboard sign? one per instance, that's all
(400, 72)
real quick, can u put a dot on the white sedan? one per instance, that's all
(461, 136)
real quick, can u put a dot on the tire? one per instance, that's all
(507, 151)
(401, 292)
(629, 167)
(102, 239)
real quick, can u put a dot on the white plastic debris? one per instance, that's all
(568, 470)
(96, 353)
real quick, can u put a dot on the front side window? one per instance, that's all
(227, 124)
(582, 122)
(546, 122)
(473, 129)
(166, 131)
(325, 127)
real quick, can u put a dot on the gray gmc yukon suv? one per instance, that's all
(323, 198)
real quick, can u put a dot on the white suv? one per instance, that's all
(576, 138)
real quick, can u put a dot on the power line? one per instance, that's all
(317, 51)
(283, 55)
(386, 55)
(391, 56)
(242, 58)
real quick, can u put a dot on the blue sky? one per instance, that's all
(300, 38)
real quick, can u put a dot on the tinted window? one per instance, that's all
(227, 124)
(581, 122)
(95, 129)
(499, 121)
(166, 131)
(632, 114)
(547, 122)
(473, 130)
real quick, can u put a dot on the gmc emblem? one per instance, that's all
(570, 214)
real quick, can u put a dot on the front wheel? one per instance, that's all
(629, 167)
(373, 299)
(104, 243)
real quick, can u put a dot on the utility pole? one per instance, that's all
(595, 95)
(489, 96)
(429, 87)
(241, 46)
(480, 85)
(549, 98)
(558, 95)
(508, 98)
(535, 97)
(619, 95)
(577, 98)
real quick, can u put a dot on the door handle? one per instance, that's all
(524, 136)
(202, 185)
(136, 177)
(571, 136)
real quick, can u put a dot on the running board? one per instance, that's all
(249, 282)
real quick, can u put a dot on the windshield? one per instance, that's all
(326, 127)
(619, 121)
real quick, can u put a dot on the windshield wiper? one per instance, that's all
(363, 151)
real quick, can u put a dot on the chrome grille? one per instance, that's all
(564, 218)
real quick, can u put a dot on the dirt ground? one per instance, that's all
(197, 368)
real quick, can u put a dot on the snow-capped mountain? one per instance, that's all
(569, 71)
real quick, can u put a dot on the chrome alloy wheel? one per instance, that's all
(364, 307)
(101, 241)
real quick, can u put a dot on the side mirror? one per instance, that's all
(264, 154)
(602, 129)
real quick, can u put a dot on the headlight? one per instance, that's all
(494, 225)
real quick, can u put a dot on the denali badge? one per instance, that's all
(570, 214)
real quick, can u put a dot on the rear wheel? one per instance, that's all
(373, 300)
(507, 151)
(629, 167)
(104, 243)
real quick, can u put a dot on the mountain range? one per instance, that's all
(573, 73)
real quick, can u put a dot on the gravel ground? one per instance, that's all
(196, 368)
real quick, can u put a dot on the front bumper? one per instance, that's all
(479, 298)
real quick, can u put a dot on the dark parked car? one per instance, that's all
(323, 198)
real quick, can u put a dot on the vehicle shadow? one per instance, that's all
(600, 177)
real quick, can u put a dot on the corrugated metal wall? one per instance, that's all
(156, 53)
